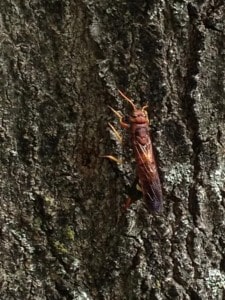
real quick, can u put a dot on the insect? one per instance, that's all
(147, 180)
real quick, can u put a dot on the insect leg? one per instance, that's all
(120, 116)
(138, 187)
(127, 204)
(116, 133)
(113, 158)
(134, 193)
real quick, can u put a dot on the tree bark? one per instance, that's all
(63, 232)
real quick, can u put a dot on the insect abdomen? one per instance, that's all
(146, 167)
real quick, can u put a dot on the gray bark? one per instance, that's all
(63, 233)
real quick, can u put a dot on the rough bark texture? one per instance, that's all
(63, 235)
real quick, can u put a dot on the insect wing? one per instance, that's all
(152, 193)
(148, 176)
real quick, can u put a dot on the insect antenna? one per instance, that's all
(128, 100)
(145, 108)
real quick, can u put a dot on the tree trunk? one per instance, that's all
(63, 232)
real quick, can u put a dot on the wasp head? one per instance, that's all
(139, 116)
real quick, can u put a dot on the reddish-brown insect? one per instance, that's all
(147, 174)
